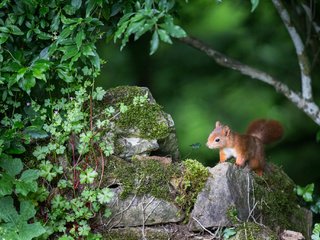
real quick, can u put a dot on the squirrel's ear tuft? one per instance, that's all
(218, 124)
(227, 131)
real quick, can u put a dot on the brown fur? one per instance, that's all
(245, 147)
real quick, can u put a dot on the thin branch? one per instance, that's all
(204, 228)
(308, 106)
(300, 50)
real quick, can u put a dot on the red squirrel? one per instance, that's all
(247, 147)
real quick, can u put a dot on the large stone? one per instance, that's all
(141, 211)
(234, 195)
(136, 146)
(227, 188)
(147, 131)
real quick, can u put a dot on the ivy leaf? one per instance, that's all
(6, 184)
(7, 211)
(12, 166)
(154, 44)
(254, 4)
(17, 225)
(27, 182)
(35, 132)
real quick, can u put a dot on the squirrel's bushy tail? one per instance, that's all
(267, 131)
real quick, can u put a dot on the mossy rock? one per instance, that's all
(278, 204)
(135, 234)
(143, 128)
(234, 195)
(253, 231)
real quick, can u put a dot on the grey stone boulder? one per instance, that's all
(136, 146)
(145, 129)
(234, 195)
(226, 189)
(143, 210)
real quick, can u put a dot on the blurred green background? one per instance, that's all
(197, 92)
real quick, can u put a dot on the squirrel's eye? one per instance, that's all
(217, 140)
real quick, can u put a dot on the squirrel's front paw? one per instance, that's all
(240, 163)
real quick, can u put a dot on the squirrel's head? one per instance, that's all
(218, 137)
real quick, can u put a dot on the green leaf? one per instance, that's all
(3, 37)
(7, 211)
(4, 29)
(88, 50)
(79, 37)
(27, 182)
(172, 29)
(164, 36)
(35, 132)
(12, 166)
(69, 52)
(27, 82)
(55, 23)
(105, 196)
(15, 30)
(146, 27)
(254, 4)
(29, 175)
(27, 210)
(229, 232)
(65, 33)
(17, 224)
(65, 75)
(76, 4)
(16, 147)
(154, 44)
(95, 61)
(6, 184)
(91, 4)
(30, 231)
(306, 192)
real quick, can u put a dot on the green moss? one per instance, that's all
(124, 94)
(145, 118)
(194, 179)
(151, 177)
(278, 202)
(144, 177)
(135, 234)
(253, 231)
(232, 214)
